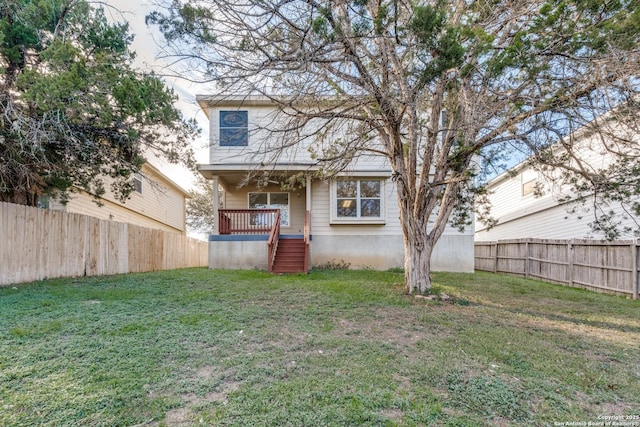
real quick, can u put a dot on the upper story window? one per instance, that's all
(137, 183)
(358, 200)
(234, 128)
(531, 184)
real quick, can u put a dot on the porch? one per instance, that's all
(251, 238)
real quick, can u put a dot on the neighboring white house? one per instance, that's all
(523, 212)
(157, 202)
(352, 218)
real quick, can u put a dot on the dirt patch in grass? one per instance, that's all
(205, 372)
(390, 324)
(392, 414)
(178, 417)
(222, 395)
(580, 329)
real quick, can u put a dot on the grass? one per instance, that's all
(201, 347)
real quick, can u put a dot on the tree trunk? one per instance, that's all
(20, 198)
(418, 246)
(417, 263)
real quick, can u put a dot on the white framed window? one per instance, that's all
(530, 184)
(269, 201)
(234, 128)
(137, 183)
(357, 201)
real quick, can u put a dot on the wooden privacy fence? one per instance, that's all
(36, 244)
(603, 266)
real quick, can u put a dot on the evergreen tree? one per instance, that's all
(74, 112)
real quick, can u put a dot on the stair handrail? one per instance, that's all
(272, 243)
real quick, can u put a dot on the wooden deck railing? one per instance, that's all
(262, 221)
(272, 243)
(247, 221)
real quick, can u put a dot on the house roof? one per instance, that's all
(208, 101)
(155, 171)
(235, 173)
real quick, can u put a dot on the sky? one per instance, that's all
(146, 44)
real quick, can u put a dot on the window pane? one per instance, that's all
(347, 207)
(346, 188)
(269, 201)
(258, 201)
(281, 201)
(234, 130)
(234, 137)
(137, 183)
(370, 208)
(279, 198)
(369, 188)
(43, 202)
(529, 187)
(234, 119)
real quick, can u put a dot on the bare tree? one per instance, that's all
(200, 212)
(443, 90)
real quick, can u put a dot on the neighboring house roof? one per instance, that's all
(167, 180)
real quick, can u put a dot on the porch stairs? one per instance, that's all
(289, 256)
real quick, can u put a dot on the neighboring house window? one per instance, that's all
(530, 184)
(529, 187)
(137, 183)
(234, 128)
(44, 202)
(269, 201)
(358, 199)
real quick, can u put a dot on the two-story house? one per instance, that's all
(351, 218)
(527, 203)
(156, 202)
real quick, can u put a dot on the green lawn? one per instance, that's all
(201, 347)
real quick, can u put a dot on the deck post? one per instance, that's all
(216, 204)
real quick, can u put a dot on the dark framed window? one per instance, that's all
(44, 202)
(234, 128)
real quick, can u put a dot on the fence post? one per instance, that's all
(495, 258)
(570, 259)
(634, 271)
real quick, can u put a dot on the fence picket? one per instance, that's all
(591, 264)
(37, 243)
